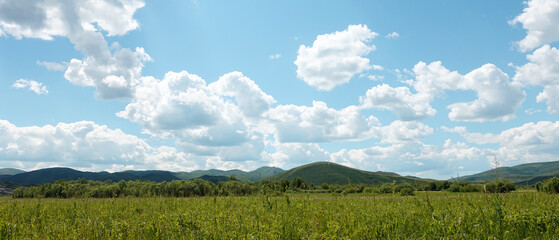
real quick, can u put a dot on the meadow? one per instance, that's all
(426, 215)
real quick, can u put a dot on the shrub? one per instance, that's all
(386, 188)
(406, 191)
(499, 186)
(550, 185)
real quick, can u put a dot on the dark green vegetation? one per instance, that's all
(550, 185)
(427, 215)
(252, 176)
(524, 174)
(50, 175)
(332, 173)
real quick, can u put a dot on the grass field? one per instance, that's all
(432, 215)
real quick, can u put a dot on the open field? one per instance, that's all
(433, 215)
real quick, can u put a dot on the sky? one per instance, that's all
(433, 89)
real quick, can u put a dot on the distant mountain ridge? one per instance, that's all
(523, 174)
(10, 171)
(49, 175)
(333, 173)
(255, 175)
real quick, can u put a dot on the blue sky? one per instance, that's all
(425, 88)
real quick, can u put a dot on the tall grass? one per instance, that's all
(427, 215)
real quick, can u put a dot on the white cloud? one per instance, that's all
(400, 100)
(531, 142)
(375, 77)
(289, 155)
(497, 97)
(274, 56)
(392, 35)
(34, 86)
(83, 145)
(115, 73)
(335, 58)
(415, 158)
(46, 19)
(540, 19)
(377, 67)
(218, 122)
(542, 70)
(53, 66)
(550, 95)
(319, 123)
(249, 97)
(404, 132)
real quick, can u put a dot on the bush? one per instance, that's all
(406, 191)
(399, 187)
(499, 186)
(550, 185)
(386, 188)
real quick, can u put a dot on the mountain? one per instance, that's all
(256, 175)
(524, 174)
(332, 173)
(10, 171)
(214, 179)
(49, 175)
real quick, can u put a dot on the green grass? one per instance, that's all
(433, 215)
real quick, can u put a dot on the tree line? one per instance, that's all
(84, 188)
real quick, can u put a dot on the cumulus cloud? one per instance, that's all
(249, 97)
(319, 123)
(46, 19)
(542, 70)
(531, 142)
(115, 73)
(415, 158)
(289, 155)
(84, 145)
(403, 132)
(539, 19)
(335, 58)
(497, 97)
(400, 100)
(212, 120)
(34, 86)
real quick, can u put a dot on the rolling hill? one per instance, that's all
(332, 173)
(10, 171)
(256, 175)
(524, 174)
(49, 175)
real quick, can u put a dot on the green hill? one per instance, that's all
(49, 175)
(10, 171)
(252, 176)
(332, 173)
(524, 174)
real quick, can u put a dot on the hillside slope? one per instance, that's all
(524, 174)
(10, 171)
(332, 173)
(256, 175)
(49, 175)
